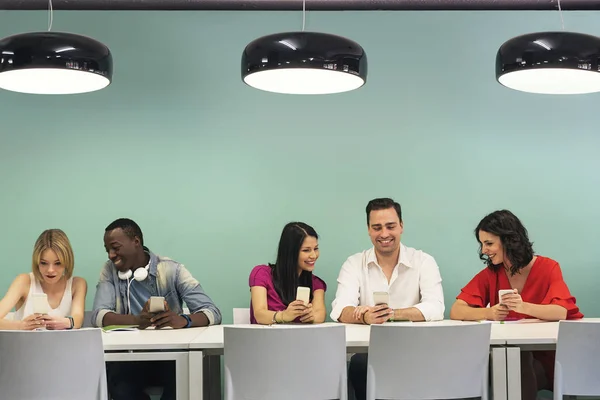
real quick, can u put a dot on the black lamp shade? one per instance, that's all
(550, 63)
(304, 63)
(54, 63)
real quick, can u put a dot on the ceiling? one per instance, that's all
(323, 5)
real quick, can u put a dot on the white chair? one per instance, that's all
(577, 359)
(241, 316)
(52, 365)
(422, 361)
(285, 362)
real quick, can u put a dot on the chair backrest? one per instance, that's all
(52, 365)
(87, 319)
(285, 362)
(577, 359)
(421, 361)
(241, 316)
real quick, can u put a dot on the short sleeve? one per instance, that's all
(261, 276)
(476, 292)
(559, 294)
(318, 284)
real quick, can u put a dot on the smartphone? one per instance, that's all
(40, 303)
(157, 304)
(381, 298)
(502, 292)
(303, 293)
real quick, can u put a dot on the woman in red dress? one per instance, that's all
(539, 291)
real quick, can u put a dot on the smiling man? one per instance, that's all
(409, 278)
(128, 279)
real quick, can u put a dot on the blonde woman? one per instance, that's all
(52, 274)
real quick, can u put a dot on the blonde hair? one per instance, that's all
(57, 241)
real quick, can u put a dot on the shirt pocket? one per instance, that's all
(173, 300)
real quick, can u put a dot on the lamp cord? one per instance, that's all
(562, 21)
(303, 14)
(50, 15)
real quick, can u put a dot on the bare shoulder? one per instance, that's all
(20, 286)
(23, 280)
(79, 283)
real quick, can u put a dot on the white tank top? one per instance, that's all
(63, 309)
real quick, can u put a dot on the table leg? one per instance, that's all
(513, 372)
(196, 375)
(498, 378)
(182, 369)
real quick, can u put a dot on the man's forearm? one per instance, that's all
(199, 319)
(347, 316)
(410, 314)
(112, 318)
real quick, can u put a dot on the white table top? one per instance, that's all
(356, 335)
(531, 332)
(150, 339)
(517, 333)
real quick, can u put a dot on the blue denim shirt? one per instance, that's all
(167, 278)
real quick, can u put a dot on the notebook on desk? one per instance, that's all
(119, 328)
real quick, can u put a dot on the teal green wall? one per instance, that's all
(212, 169)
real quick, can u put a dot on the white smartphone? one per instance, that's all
(157, 304)
(502, 292)
(40, 303)
(303, 293)
(381, 298)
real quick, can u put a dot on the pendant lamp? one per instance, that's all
(54, 63)
(304, 63)
(550, 63)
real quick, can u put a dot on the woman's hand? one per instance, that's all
(497, 313)
(294, 310)
(56, 323)
(32, 322)
(514, 302)
(309, 316)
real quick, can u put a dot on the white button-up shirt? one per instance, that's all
(415, 282)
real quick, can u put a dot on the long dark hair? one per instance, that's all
(285, 269)
(513, 236)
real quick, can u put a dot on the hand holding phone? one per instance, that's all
(502, 292)
(381, 298)
(157, 304)
(303, 293)
(40, 303)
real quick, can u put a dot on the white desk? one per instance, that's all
(357, 336)
(210, 343)
(157, 345)
(196, 352)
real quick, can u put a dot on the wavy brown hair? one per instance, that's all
(513, 236)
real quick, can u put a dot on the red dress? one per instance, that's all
(544, 285)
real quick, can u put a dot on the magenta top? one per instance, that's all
(261, 276)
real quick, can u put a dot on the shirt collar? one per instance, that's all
(403, 260)
(153, 261)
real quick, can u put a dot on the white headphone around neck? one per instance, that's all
(139, 275)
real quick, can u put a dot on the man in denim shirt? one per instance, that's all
(133, 274)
